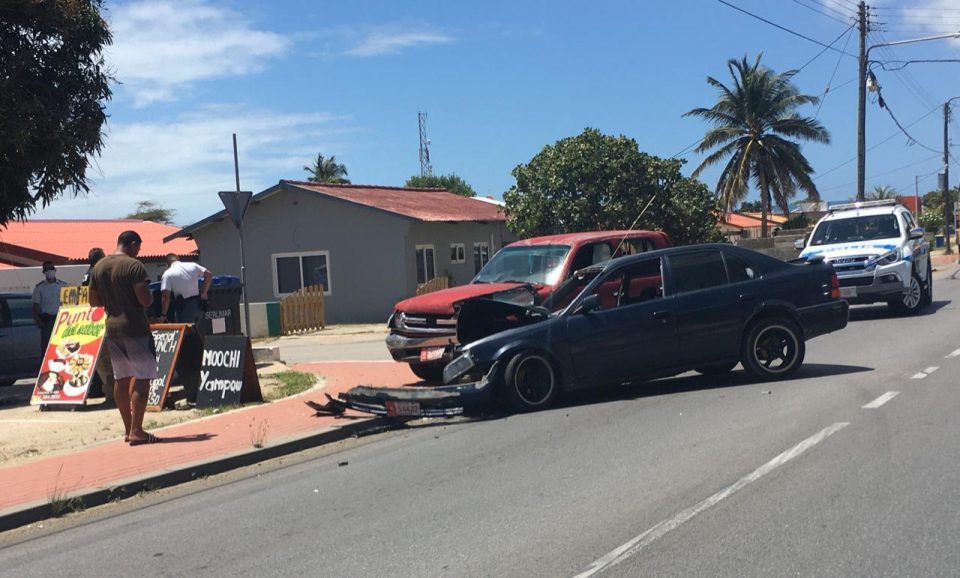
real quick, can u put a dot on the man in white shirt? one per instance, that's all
(181, 293)
(46, 303)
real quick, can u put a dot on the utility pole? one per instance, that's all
(947, 209)
(863, 25)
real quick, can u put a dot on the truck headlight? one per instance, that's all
(888, 258)
(458, 367)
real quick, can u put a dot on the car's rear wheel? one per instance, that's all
(928, 286)
(773, 348)
(718, 369)
(432, 372)
(911, 302)
(530, 382)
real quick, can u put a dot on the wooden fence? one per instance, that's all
(303, 311)
(435, 284)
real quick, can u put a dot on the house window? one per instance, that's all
(458, 253)
(293, 271)
(481, 255)
(426, 265)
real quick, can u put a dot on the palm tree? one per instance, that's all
(881, 192)
(327, 171)
(753, 124)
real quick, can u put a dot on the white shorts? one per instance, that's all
(132, 357)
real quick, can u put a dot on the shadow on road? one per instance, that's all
(881, 311)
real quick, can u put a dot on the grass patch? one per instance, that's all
(60, 503)
(291, 383)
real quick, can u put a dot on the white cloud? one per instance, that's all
(388, 41)
(161, 47)
(182, 163)
(933, 16)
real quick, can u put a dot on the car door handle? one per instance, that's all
(747, 297)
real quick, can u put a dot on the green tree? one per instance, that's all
(598, 182)
(750, 207)
(53, 86)
(150, 211)
(451, 183)
(882, 192)
(754, 124)
(327, 170)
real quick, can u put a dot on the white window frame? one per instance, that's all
(433, 251)
(484, 263)
(461, 250)
(327, 291)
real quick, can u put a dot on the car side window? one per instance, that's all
(695, 271)
(21, 311)
(738, 269)
(634, 246)
(642, 282)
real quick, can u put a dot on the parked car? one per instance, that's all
(657, 314)
(879, 253)
(19, 338)
(423, 329)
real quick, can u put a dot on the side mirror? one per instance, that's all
(590, 303)
(799, 244)
(917, 233)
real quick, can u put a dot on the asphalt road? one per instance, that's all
(850, 468)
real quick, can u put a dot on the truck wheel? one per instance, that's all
(928, 286)
(530, 382)
(910, 302)
(432, 372)
(773, 348)
(718, 369)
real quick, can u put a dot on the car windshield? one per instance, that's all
(539, 264)
(864, 228)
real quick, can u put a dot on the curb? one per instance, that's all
(20, 516)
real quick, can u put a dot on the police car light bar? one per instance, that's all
(863, 205)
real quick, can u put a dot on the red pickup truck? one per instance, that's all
(423, 329)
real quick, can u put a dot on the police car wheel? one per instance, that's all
(910, 302)
(928, 286)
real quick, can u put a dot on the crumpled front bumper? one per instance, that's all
(417, 401)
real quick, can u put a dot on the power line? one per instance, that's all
(820, 12)
(832, 76)
(819, 54)
(886, 107)
(775, 25)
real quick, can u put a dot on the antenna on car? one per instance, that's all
(635, 221)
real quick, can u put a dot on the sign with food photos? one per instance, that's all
(71, 356)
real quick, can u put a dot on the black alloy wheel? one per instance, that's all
(773, 348)
(530, 382)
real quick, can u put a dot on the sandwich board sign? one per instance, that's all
(167, 339)
(70, 357)
(228, 374)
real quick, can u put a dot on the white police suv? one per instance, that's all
(878, 252)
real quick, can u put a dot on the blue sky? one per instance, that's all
(498, 81)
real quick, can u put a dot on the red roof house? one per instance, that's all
(65, 242)
(369, 246)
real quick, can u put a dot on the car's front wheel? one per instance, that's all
(530, 381)
(773, 348)
(910, 302)
(432, 372)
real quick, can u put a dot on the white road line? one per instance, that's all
(930, 370)
(881, 400)
(920, 375)
(651, 535)
(954, 353)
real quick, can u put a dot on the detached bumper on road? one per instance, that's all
(824, 318)
(440, 401)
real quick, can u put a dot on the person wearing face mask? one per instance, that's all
(46, 303)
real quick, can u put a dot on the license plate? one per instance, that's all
(403, 409)
(431, 354)
(846, 292)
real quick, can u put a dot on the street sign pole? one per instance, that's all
(236, 203)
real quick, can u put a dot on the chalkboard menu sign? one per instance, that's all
(228, 375)
(167, 339)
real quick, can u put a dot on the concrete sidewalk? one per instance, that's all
(193, 449)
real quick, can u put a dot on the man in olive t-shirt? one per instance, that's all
(120, 283)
